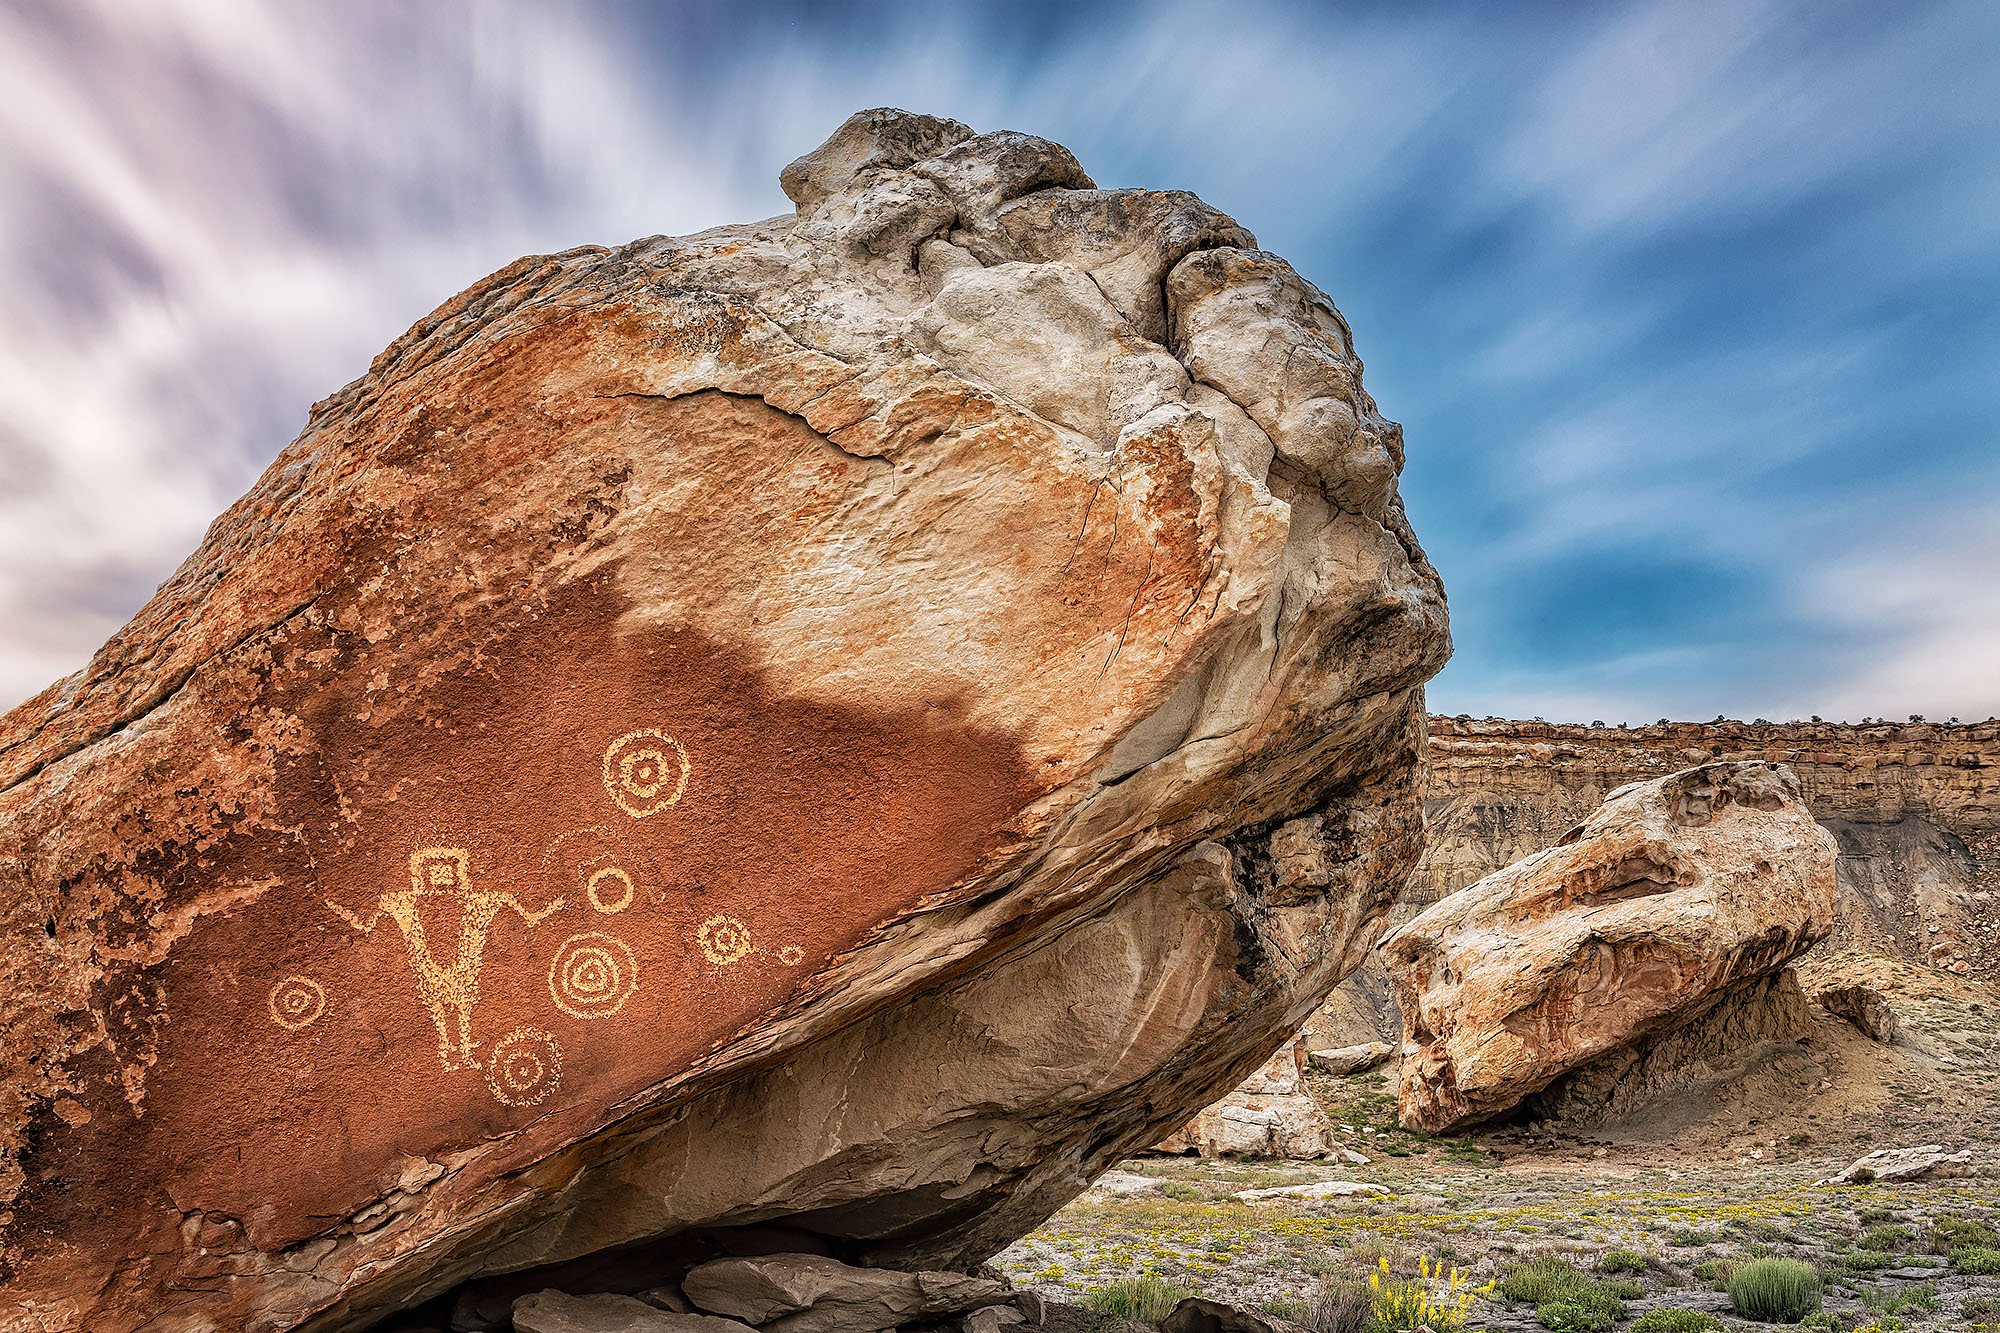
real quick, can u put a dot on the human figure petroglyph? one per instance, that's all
(450, 989)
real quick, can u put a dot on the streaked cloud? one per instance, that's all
(1688, 309)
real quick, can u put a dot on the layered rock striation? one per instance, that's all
(852, 722)
(1915, 808)
(1669, 897)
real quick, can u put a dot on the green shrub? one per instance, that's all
(1567, 1300)
(1146, 1299)
(1865, 1261)
(1623, 1289)
(1820, 1320)
(1775, 1291)
(1976, 1261)
(1622, 1261)
(1540, 1280)
(1567, 1314)
(1923, 1296)
(1981, 1311)
(1892, 1238)
(1956, 1233)
(1292, 1312)
(1675, 1321)
(1716, 1272)
(1176, 1189)
(1325, 1263)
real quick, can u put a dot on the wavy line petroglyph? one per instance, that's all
(645, 771)
(448, 989)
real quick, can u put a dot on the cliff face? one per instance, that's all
(1915, 809)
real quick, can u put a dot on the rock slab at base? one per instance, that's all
(1889, 1166)
(859, 720)
(1200, 1315)
(560, 1312)
(1669, 894)
(803, 1293)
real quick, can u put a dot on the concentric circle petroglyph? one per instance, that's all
(723, 940)
(525, 1067)
(791, 955)
(645, 771)
(297, 1001)
(593, 975)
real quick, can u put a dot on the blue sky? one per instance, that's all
(1689, 310)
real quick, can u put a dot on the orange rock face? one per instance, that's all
(702, 678)
(1667, 896)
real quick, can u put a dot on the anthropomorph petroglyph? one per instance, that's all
(441, 877)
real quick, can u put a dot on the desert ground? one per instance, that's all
(1654, 1211)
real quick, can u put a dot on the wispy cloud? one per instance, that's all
(1676, 301)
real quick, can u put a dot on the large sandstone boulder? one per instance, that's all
(1643, 916)
(854, 721)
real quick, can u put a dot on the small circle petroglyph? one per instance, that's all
(791, 955)
(723, 940)
(525, 1067)
(645, 771)
(593, 975)
(297, 1001)
(610, 890)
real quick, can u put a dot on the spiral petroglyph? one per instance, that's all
(297, 1002)
(525, 1067)
(645, 771)
(593, 975)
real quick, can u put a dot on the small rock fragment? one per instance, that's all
(1325, 1189)
(1866, 1008)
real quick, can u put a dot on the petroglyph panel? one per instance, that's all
(496, 769)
